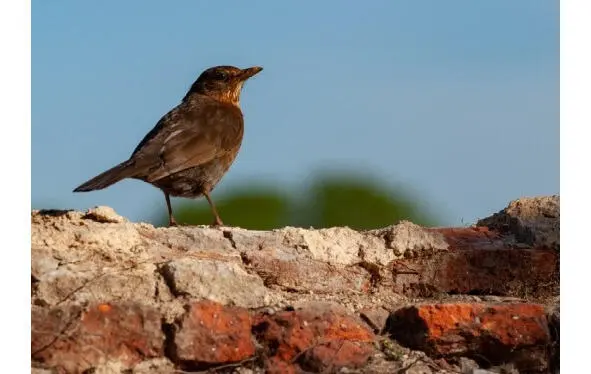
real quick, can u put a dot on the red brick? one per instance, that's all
(336, 354)
(501, 271)
(72, 340)
(212, 333)
(290, 334)
(499, 333)
(478, 261)
(471, 237)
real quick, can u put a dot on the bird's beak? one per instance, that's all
(249, 72)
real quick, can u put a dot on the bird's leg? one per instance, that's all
(171, 221)
(217, 221)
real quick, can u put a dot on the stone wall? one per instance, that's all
(111, 296)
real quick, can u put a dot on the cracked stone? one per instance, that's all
(79, 284)
(223, 282)
(407, 239)
(306, 274)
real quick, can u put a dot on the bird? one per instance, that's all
(192, 146)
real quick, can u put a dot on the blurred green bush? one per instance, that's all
(334, 200)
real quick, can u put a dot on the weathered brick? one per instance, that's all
(72, 340)
(335, 354)
(479, 262)
(212, 333)
(496, 332)
(304, 274)
(290, 334)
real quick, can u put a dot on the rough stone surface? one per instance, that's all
(80, 283)
(155, 366)
(109, 367)
(306, 274)
(534, 221)
(104, 214)
(410, 240)
(224, 282)
(337, 245)
(109, 295)
(375, 317)
(35, 370)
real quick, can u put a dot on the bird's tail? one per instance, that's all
(109, 177)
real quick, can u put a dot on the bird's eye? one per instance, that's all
(221, 75)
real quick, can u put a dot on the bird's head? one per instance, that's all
(223, 83)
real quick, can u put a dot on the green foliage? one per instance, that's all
(251, 208)
(336, 200)
(360, 204)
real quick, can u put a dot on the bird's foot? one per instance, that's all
(217, 222)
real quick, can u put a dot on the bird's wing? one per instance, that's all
(187, 138)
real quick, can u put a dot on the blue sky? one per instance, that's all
(457, 102)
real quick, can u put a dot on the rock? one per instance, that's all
(223, 282)
(109, 295)
(498, 333)
(375, 317)
(213, 334)
(41, 265)
(109, 367)
(306, 274)
(80, 284)
(73, 339)
(155, 366)
(250, 240)
(337, 245)
(41, 371)
(468, 366)
(70, 239)
(104, 214)
(534, 221)
(407, 239)
(374, 250)
(209, 241)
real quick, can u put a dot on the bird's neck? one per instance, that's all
(228, 97)
(231, 98)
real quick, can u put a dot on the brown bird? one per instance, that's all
(192, 146)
